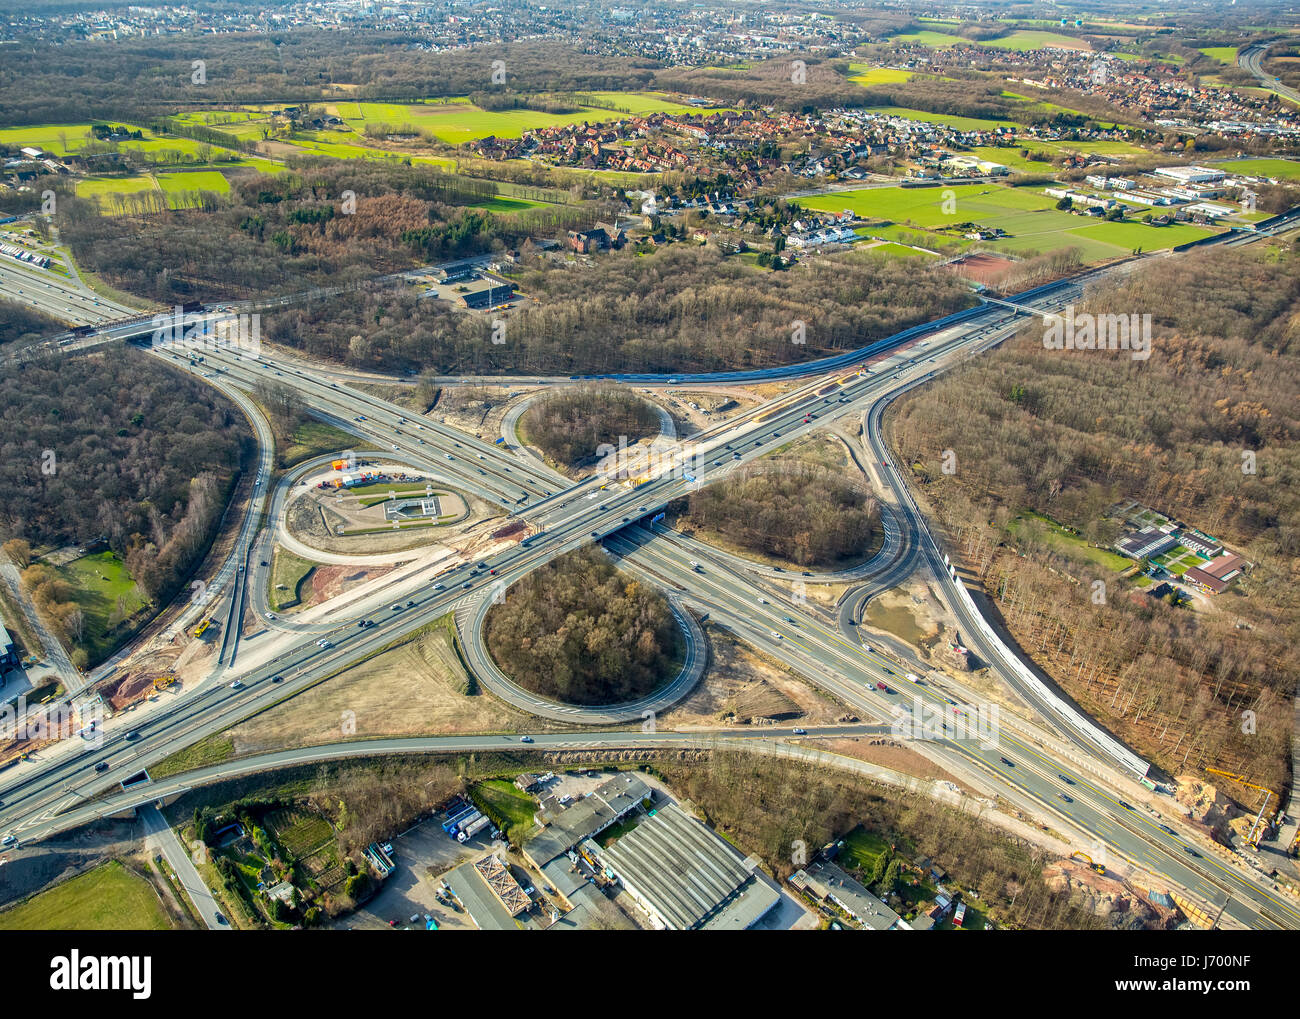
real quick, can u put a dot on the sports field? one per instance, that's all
(1029, 217)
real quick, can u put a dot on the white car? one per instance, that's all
(270, 615)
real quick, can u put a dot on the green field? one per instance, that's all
(108, 898)
(501, 801)
(1023, 40)
(100, 187)
(500, 204)
(1028, 216)
(1072, 546)
(194, 180)
(1223, 54)
(861, 849)
(1286, 169)
(865, 74)
(98, 581)
(290, 571)
(935, 40)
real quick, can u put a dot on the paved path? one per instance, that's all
(159, 838)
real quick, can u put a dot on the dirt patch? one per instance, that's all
(890, 753)
(414, 689)
(326, 582)
(981, 268)
(742, 686)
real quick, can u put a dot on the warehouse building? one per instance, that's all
(8, 651)
(1217, 575)
(827, 882)
(685, 877)
(1146, 543)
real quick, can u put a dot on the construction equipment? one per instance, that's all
(164, 681)
(1259, 826)
(1088, 860)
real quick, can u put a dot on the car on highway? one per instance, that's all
(467, 585)
(220, 919)
(1063, 778)
(270, 615)
(1191, 852)
(438, 587)
(1126, 805)
(525, 739)
(8, 840)
(1009, 764)
(277, 679)
(1063, 796)
(102, 766)
(595, 534)
(237, 685)
(774, 634)
(410, 603)
(1167, 830)
(132, 735)
(799, 732)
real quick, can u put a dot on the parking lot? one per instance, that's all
(421, 854)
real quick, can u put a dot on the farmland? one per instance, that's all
(1028, 216)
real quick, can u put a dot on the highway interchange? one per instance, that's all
(1047, 770)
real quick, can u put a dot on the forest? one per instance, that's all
(800, 513)
(579, 631)
(682, 308)
(1204, 431)
(569, 426)
(289, 232)
(119, 447)
(19, 325)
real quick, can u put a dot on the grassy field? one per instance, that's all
(313, 438)
(865, 74)
(501, 801)
(500, 204)
(1223, 54)
(108, 898)
(935, 40)
(193, 180)
(290, 571)
(1029, 217)
(106, 187)
(1072, 546)
(98, 582)
(1286, 169)
(861, 848)
(1024, 40)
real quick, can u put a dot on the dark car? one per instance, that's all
(410, 604)
(220, 919)
(1067, 781)
(102, 766)
(1009, 764)
(132, 735)
(1062, 796)
(1191, 852)
(277, 679)
(1126, 805)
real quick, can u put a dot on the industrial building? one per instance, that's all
(1217, 575)
(827, 882)
(8, 651)
(686, 877)
(1148, 542)
(489, 892)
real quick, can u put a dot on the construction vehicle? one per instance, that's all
(164, 681)
(1088, 860)
(203, 626)
(1260, 825)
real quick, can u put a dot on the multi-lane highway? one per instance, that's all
(561, 517)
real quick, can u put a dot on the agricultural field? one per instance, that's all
(107, 898)
(105, 187)
(1223, 54)
(1028, 216)
(865, 74)
(1285, 169)
(193, 180)
(925, 37)
(1024, 40)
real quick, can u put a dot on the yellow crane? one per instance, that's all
(1257, 829)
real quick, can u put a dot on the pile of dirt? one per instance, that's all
(124, 691)
(1206, 804)
(1122, 908)
(760, 702)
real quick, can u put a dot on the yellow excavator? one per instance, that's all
(1088, 860)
